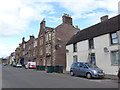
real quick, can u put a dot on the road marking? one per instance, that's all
(96, 80)
(99, 80)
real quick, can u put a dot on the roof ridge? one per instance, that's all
(108, 26)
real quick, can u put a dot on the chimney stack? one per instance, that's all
(23, 39)
(42, 24)
(104, 18)
(31, 37)
(67, 19)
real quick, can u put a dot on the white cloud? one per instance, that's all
(15, 15)
(80, 7)
(54, 19)
(90, 10)
(4, 50)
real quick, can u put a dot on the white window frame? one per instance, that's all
(115, 63)
(114, 38)
(75, 58)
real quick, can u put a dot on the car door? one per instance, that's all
(82, 69)
(77, 69)
(74, 68)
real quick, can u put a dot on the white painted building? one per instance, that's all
(98, 44)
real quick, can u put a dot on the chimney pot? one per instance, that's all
(76, 26)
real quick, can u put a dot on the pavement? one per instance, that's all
(107, 76)
(113, 77)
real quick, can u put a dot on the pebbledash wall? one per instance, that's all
(101, 42)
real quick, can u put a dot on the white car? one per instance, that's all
(30, 65)
(19, 65)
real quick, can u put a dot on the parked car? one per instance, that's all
(86, 69)
(118, 74)
(4, 64)
(30, 65)
(19, 65)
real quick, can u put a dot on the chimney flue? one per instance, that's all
(104, 18)
(67, 19)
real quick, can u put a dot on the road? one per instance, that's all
(23, 78)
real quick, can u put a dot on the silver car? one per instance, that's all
(86, 69)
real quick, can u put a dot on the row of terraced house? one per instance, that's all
(65, 44)
(49, 47)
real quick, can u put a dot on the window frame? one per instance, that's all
(91, 43)
(112, 62)
(74, 47)
(50, 36)
(111, 38)
(47, 37)
(75, 58)
(93, 61)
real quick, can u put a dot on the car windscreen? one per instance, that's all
(91, 65)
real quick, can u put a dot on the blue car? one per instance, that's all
(86, 69)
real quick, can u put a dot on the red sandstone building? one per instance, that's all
(49, 48)
(52, 41)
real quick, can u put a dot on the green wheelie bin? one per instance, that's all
(37, 67)
(58, 68)
(50, 69)
(42, 68)
(61, 67)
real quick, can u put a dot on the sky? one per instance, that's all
(21, 18)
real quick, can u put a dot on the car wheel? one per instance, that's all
(71, 73)
(89, 76)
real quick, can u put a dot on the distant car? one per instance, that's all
(118, 74)
(4, 64)
(19, 66)
(86, 69)
(30, 65)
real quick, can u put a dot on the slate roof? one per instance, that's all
(105, 27)
(49, 28)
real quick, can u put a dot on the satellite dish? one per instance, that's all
(67, 50)
(106, 49)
